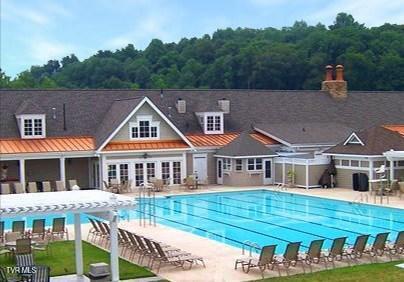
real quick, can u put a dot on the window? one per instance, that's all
(254, 164)
(239, 165)
(226, 164)
(123, 173)
(176, 172)
(151, 170)
(355, 163)
(213, 123)
(139, 176)
(144, 128)
(165, 172)
(32, 126)
(344, 162)
(111, 172)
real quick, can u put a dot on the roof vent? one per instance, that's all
(224, 105)
(181, 106)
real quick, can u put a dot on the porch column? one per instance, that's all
(22, 172)
(391, 169)
(103, 170)
(62, 168)
(371, 169)
(113, 225)
(307, 174)
(283, 172)
(77, 244)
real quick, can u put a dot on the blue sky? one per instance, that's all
(34, 31)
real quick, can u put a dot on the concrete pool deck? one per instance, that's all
(220, 257)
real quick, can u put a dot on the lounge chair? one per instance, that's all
(397, 247)
(59, 229)
(290, 257)
(5, 189)
(356, 251)
(60, 186)
(134, 246)
(94, 231)
(72, 182)
(18, 226)
(18, 188)
(24, 260)
(105, 232)
(46, 186)
(38, 228)
(336, 252)
(264, 261)
(144, 250)
(23, 246)
(165, 257)
(42, 274)
(379, 245)
(32, 187)
(124, 241)
(314, 255)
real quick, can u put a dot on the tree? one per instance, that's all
(344, 20)
(4, 80)
(69, 60)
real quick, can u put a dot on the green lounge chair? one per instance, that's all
(314, 254)
(397, 247)
(290, 257)
(38, 228)
(18, 226)
(264, 261)
(356, 251)
(336, 252)
(379, 246)
(59, 230)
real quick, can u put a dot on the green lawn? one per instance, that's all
(61, 260)
(367, 273)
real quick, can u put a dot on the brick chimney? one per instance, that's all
(338, 87)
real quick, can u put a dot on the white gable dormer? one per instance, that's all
(353, 139)
(211, 122)
(144, 128)
(32, 126)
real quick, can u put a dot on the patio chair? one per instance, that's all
(60, 186)
(42, 274)
(336, 251)
(290, 257)
(24, 260)
(5, 188)
(18, 226)
(72, 182)
(23, 246)
(314, 255)
(46, 186)
(59, 229)
(397, 247)
(12, 236)
(164, 257)
(265, 259)
(190, 182)
(94, 230)
(38, 228)
(159, 185)
(401, 191)
(379, 246)
(42, 246)
(356, 251)
(18, 188)
(32, 187)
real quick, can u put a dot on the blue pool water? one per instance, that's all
(266, 217)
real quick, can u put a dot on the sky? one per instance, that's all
(35, 31)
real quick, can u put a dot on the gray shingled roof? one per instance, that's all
(116, 114)
(377, 140)
(244, 145)
(29, 107)
(86, 109)
(326, 133)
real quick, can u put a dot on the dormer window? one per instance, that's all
(32, 126)
(211, 122)
(144, 128)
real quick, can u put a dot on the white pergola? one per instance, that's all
(391, 157)
(93, 202)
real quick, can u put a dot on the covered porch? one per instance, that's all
(396, 168)
(95, 203)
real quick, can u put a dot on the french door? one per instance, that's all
(267, 171)
(144, 171)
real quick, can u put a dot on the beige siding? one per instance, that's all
(211, 168)
(189, 164)
(12, 171)
(78, 169)
(344, 177)
(42, 170)
(166, 132)
(242, 179)
(300, 175)
(278, 173)
(399, 174)
(315, 172)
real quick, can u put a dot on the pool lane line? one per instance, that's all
(296, 219)
(228, 224)
(314, 206)
(268, 223)
(316, 214)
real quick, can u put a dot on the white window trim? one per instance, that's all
(255, 165)
(22, 118)
(205, 122)
(228, 166)
(148, 118)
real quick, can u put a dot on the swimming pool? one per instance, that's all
(268, 217)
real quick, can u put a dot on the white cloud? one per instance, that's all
(43, 50)
(370, 12)
(267, 2)
(17, 13)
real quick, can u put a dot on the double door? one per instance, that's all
(144, 171)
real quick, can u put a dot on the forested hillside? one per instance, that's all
(288, 58)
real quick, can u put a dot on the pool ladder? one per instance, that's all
(251, 246)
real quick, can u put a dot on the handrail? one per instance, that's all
(251, 245)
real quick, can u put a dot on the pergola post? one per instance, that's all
(113, 225)
(62, 169)
(78, 245)
(391, 169)
(22, 172)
